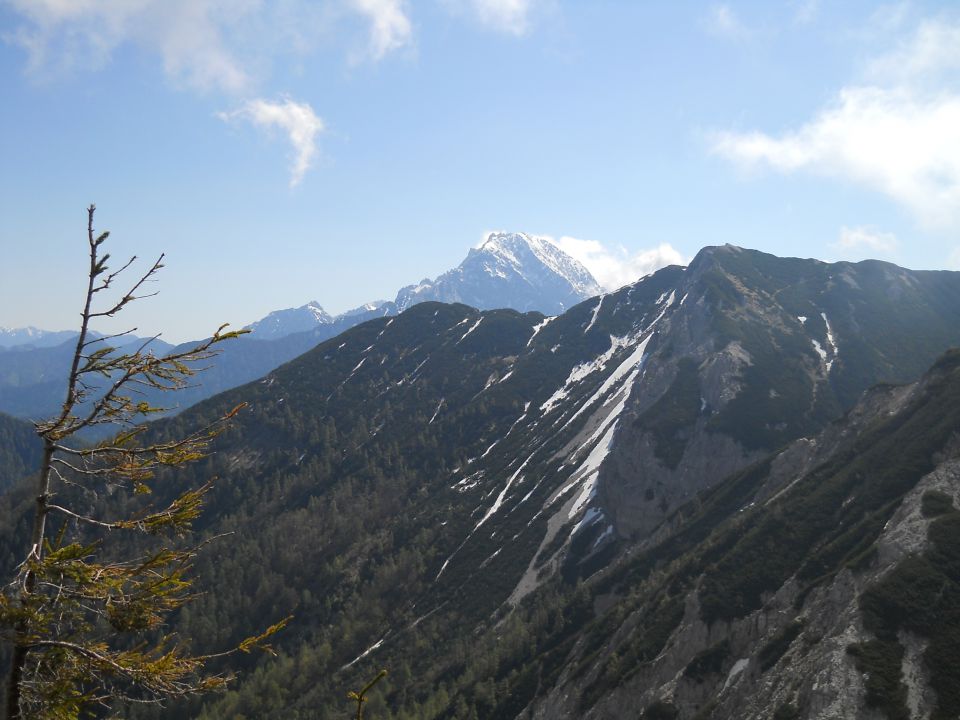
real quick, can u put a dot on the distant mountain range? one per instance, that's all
(510, 270)
(31, 337)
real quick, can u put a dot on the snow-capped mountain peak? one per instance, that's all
(291, 320)
(516, 248)
(22, 336)
(321, 315)
(509, 269)
(371, 309)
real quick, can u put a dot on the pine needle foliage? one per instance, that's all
(85, 613)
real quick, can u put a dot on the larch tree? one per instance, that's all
(84, 615)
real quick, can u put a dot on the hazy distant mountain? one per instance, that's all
(34, 337)
(312, 318)
(20, 450)
(289, 321)
(671, 501)
(377, 308)
(33, 379)
(510, 270)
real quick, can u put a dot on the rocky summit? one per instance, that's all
(512, 270)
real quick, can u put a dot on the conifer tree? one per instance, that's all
(84, 614)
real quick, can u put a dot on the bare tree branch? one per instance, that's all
(73, 621)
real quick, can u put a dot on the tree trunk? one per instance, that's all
(19, 659)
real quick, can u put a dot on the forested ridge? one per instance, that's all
(19, 450)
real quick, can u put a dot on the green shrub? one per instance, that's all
(935, 503)
(771, 653)
(880, 662)
(708, 662)
(920, 595)
(668, 420)
(787, 711)
(660, 710)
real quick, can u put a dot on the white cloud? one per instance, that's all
(722, 21)
(206, 45)
(899, 135)
(925, 60)
(223, 47)
(888, 18)
(189, 36)
(867, 239)
(297, 120)
(390, 28)
(614, 268)
(512, 17)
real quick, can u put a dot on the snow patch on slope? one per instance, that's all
(503, 493)
(830, 340)
(585, 369)
(472, 328)
(540, 326)
(596, 311)
(366, 652)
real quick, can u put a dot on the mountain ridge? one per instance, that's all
(496, 467)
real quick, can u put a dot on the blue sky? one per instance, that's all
(281, 152)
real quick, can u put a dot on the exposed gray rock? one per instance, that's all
(814, 674)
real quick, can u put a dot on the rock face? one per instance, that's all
(758, 351)
(807, 645)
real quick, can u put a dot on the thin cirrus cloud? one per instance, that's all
(207, 46)
(190, 36)
(390, 27)
(806, 11)
(722, 21)
(226, 48)
(297, 120)
(510, 16)
(865, 239)
(898, 134)
(614, 268)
